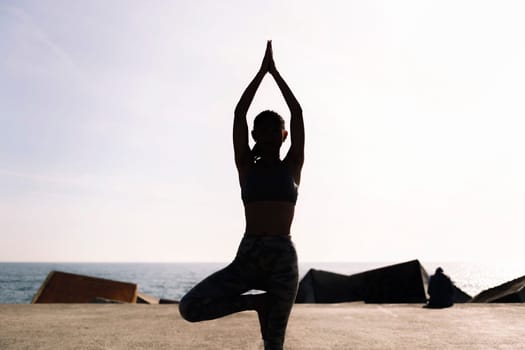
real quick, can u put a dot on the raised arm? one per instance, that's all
(240, 125)
(296, 153)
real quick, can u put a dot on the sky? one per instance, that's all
(116, 117)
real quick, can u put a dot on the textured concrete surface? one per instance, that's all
(312, 326)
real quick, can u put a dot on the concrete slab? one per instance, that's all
(312, 326)
(64, 287)
(509, 292)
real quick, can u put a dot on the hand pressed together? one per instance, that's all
(268, 64)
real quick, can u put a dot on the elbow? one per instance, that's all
(240, 111)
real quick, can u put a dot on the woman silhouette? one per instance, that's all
(266, 259)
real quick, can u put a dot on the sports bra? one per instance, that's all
(269, 183)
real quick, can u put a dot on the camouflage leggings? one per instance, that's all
(267, 263)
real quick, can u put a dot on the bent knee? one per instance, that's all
(187, 310)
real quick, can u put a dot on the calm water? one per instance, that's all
(20, 281)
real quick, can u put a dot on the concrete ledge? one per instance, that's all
(312, 326)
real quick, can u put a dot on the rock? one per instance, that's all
(509, 292)
(143, 298)
(62, 287)
(400, 283)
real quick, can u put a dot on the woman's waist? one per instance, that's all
(269, 218)
(258, 227)
(269, 211)
(269, 234)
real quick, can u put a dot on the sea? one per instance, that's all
(20, 281)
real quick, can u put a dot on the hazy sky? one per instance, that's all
(116, 116)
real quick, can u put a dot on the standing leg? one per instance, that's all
(281, 291)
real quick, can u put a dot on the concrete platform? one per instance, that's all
(312, 326)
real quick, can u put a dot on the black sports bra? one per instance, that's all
(269, 183)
